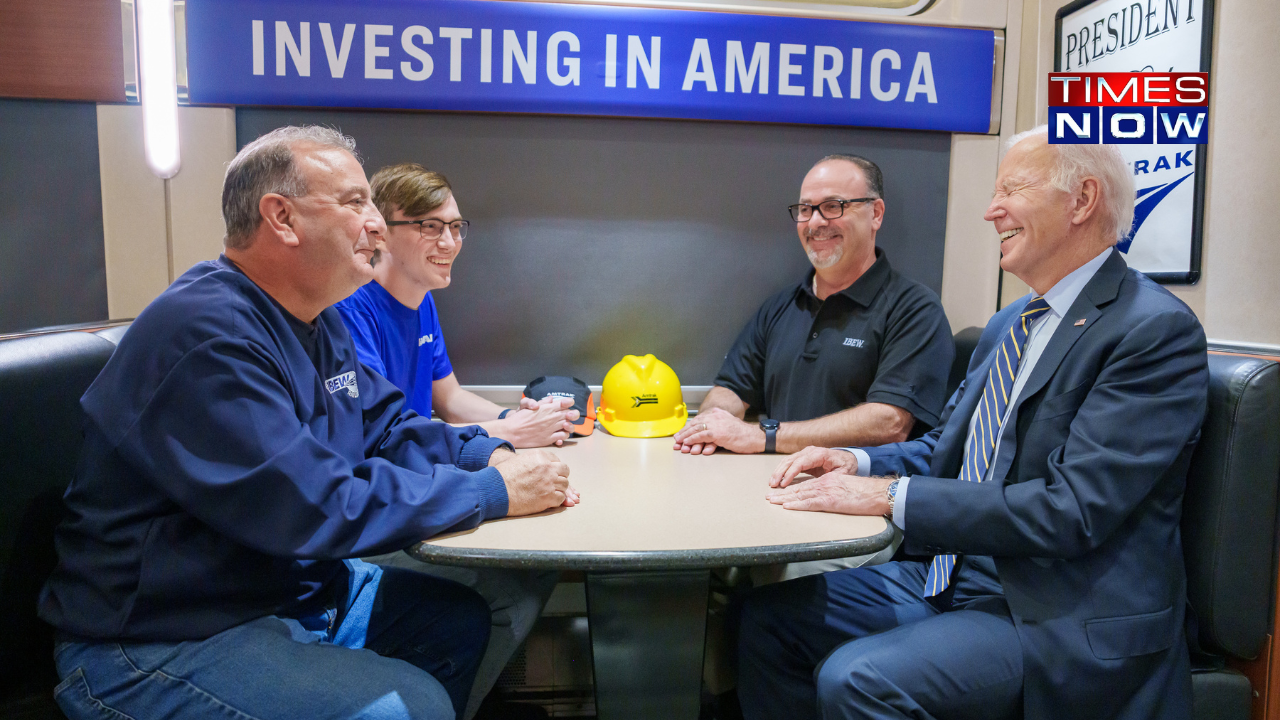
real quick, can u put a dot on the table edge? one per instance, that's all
(650, 559)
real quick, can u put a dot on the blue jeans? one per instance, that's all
(399, 645)
(515, 597)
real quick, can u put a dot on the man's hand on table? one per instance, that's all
(815, 461)
(537, 423)
(834, 488)
(536, 480)
(718, 428)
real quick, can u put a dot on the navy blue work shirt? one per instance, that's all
(883, 339)
(233, 456)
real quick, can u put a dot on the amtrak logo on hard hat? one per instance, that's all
(644, 400)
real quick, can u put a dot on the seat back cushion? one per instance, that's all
(41, 430)
(1229, 511)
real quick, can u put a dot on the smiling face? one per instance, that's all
(1032, 218)
(426, 264)
(337, 224)
(847, 242)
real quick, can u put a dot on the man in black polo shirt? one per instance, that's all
(855, 354)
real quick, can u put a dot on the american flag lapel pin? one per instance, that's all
(1080, 322)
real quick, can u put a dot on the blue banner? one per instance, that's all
(531, 57)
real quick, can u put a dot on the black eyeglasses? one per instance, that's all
(433, 229)
(829, 209)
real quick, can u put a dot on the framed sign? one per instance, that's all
(554, 58)
(1149, 36)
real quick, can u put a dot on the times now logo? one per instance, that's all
(1138, 108)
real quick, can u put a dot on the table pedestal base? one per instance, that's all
(647, 636)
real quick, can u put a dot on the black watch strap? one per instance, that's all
(503, 415)
(770, 428)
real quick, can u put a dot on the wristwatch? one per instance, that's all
(892, 494)
(770, 428)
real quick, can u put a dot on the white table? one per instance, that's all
(651, 525)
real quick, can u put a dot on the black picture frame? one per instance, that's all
(1192, 275)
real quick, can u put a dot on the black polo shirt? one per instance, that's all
(882, 339)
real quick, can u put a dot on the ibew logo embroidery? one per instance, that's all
(345, 380)
(852, 342)
(426, 339)
(644, 400)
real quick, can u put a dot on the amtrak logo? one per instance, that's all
(345, 380)
(426, 339)
(1148, 199)
(644, 400)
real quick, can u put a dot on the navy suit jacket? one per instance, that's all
(1080, 512)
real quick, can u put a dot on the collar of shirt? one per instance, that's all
(1064, 293)
(863, 290)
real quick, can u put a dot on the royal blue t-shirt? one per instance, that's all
(399, 343)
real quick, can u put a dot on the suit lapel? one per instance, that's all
(1100, 290)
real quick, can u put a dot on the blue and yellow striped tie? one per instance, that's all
(991, 412)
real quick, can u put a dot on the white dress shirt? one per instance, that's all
(1060, 299)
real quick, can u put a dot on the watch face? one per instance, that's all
(769, 424)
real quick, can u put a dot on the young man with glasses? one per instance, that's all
(393, 319)
(396, 330)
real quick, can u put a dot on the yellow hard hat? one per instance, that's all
(641, 398)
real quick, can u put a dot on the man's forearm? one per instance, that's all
(725, 399)
(464, 406)
(867, 425)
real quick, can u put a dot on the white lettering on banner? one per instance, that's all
(301, 57)
(513, 53)
(553, 58)
(829, 75)
(877, 61)
(456, 36)
(855, 74)
(486, 55)
(700, 69)
(372, 51)
(259, 62)
(649, 64)
(736, 66)
(337, 58)
(564, 65)
(611, 61)
(922, 79)
(406, 41)
(786, 69)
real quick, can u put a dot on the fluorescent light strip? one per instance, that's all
(158, 86)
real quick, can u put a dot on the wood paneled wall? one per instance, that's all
(61, 50)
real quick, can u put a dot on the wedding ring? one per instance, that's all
(704, 427)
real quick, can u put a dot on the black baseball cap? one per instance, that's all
(569, 387)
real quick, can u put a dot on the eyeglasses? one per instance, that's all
(829, 209)
(433, 229)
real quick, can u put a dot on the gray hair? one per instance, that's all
(264, 166)
(1073, 163)
(870, 171)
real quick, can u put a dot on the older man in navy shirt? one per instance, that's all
(237, 453)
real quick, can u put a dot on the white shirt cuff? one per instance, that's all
(900, 503)
(864, 462)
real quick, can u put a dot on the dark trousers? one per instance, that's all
(865, 643)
